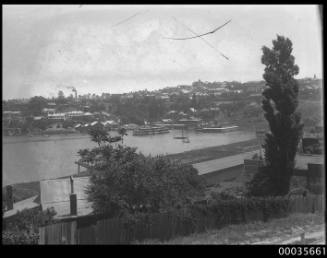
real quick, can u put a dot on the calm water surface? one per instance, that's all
(28, 159)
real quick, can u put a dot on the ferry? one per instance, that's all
(218, 129)
(150, 130)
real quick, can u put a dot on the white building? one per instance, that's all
(58, 116)
(74, 114)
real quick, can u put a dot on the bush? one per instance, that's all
(260, 185)
(242, 210)
(19, 238)
(216, 214)
(23, 228)
(125, 182)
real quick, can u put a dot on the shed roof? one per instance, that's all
(109, 122)
(94, 123)
(222, 163)
(56, 193)
(302, 161)
(235, 160)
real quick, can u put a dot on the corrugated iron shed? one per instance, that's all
(235, 160)
(56, 193)
(222, 163)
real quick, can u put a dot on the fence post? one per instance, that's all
(41, 234)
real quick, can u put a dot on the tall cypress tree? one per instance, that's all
(280, 102)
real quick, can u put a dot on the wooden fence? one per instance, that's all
(159, 226)
(60, 233)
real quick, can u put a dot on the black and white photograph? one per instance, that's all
(143, 124)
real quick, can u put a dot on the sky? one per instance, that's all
(117, 49)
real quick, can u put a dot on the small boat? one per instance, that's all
(184, 138)
(115, 139)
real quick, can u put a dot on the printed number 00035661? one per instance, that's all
(302, 251)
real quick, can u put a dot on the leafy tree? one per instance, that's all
(122, 132)
(61, 100)
(61, 94)
(124, 182)
(23, 228)
(194, 101)
(181, 103)
(41, 124)
(99, 135)
(97, 106)
(35, 105)
(279, 104)
(68, 123)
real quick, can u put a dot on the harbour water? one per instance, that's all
(27, 159)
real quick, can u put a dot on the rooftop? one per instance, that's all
(222, 163)
(56, 193)
(236, 160)
(303, 160)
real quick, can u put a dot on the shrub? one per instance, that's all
(23, 228)
(242, 210)
(125, 182)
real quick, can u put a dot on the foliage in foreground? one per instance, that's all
(200, 217)
(125, 182)
(23, 228)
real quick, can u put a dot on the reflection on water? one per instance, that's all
(35, 158)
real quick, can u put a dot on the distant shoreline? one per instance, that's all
(42, 138)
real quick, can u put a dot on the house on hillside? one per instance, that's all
(110, 124)
(253, 87)
(51, 105)
(12, 115)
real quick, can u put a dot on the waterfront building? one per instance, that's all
(73, 114)
(57, 116)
